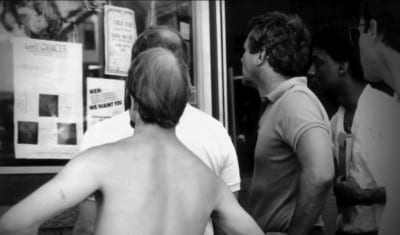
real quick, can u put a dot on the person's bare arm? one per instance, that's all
(316, 179)
(218, 230)
(74, 183)
(232, 218)
(86, 219)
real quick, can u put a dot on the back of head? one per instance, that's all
(164, 37)
(335, 41)
(158, 82)
(386, 13)
(161, 36)
(285, 39)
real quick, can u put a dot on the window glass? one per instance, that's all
(65, 43)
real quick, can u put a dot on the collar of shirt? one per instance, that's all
(285, 86)
(263, 105)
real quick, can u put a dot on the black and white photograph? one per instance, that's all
(28, 132)
(257, 117)
(66, 134)
(48, 105)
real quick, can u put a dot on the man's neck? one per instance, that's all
(392, 66)
(269, 81)
(349, 94)
(153, 129)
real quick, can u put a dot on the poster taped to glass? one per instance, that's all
(105, 99)
(48, 110)
(120, 34)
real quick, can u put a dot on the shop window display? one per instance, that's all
(65, 28)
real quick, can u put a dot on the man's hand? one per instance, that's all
(349, 193)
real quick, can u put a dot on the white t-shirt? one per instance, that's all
(202, 134)
(355, 162)
(381, 142)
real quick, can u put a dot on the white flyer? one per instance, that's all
(48, 107)
(120, 34)
(105, 99)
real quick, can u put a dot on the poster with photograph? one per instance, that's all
(120, 34)
(48, 110)
(105, 99)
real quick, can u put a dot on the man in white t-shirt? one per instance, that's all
(336, 66)
(379, 37)
(202, 134)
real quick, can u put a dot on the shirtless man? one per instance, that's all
(214, 147)
(152, 184)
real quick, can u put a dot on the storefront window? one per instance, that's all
(63, 66)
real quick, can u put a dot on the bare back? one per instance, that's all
(149, 184)
(154, 185)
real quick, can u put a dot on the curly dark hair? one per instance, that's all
(334, 39)
(285, 39)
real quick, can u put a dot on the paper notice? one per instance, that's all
(105, 99)
(120, 34)
(48, 112)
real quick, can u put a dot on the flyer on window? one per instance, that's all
(48, 107)
(105, 99)
(120, 34)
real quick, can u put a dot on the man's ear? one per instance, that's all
(261, 56)
(132, 111)
(132, 102)
(343, 67)
(373, 29)
(127, 100)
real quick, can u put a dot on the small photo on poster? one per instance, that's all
(66, 134)
(27, 132)
(48, 105)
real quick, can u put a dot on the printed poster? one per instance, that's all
(120, 34)
(105, 99)
(48, 110)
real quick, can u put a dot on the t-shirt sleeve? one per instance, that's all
(107, 131)
(230, 173)
(86, 141)
(300, 112)
(335, 130)
(224, 160)
(94, 136)
(335, 145)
